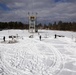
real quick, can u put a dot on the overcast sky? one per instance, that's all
(48, 10)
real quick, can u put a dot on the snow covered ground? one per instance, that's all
(30, 56)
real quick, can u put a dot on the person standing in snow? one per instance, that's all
(4, 38)
(40, 37)
(55, 35)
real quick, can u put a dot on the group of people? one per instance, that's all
(4, 38)
(39, 37)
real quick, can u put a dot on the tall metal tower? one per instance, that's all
(32, 22)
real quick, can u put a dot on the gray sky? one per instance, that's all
(48, 10)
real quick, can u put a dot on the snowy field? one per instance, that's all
(30, 56)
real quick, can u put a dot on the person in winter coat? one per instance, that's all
(40, 37)
(4, 38)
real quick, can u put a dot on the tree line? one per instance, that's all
(70, 26)
(65, 26)
(13, 25)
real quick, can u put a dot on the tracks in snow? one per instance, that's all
(58, 64)
(49, 61)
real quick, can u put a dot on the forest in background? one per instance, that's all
(66, 26)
